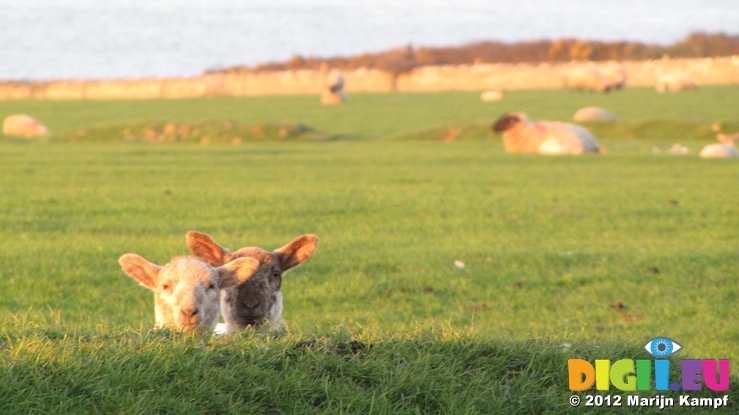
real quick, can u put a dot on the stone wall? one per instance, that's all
(547, 75)
(477, 77)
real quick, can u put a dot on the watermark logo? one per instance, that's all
(632, 375)
(645, 375)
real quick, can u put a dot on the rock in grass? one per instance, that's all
(491, 96)
(23, 126)
(594, 114)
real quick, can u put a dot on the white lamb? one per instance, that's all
(675, 82)
(186, 290)
(521, 135)
(726, 149)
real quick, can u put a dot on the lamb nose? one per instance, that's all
(251, 304)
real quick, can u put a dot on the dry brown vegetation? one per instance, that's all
(204, 132)
(398, 60)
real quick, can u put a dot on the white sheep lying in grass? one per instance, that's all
(258, 300)
(521, 135)
(675, 82)
(334, 91)
(727, 148)
(587, 77)
(23, 126)
(186, 290)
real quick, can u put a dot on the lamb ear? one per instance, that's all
(297, 251)
(205, 248)
(140, 269)
(237, 271)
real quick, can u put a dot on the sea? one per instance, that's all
(100, 39)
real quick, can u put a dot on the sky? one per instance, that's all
(48, 39)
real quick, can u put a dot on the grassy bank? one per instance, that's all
(549, 243)
(53, 368)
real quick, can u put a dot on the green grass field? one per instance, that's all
(565, 257)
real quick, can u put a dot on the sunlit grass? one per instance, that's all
(598, 252)
(549, 243)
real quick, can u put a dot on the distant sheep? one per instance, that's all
(257, 301)
(678, 148)
(616, 75)
(587, 77)
(727, 148)
(675, 82)
(594, 114)
(334, 92)
(186, 290)
(23, 126)
(491, 96)
(521, 135)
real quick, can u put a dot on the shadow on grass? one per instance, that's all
(50, 367)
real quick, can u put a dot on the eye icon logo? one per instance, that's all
(662, 347)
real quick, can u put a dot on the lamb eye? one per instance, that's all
(211, 286)
(165, 286)
(277, 274)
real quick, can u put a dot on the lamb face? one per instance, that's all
(258, 301)
(186, 290)
(187, 295)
